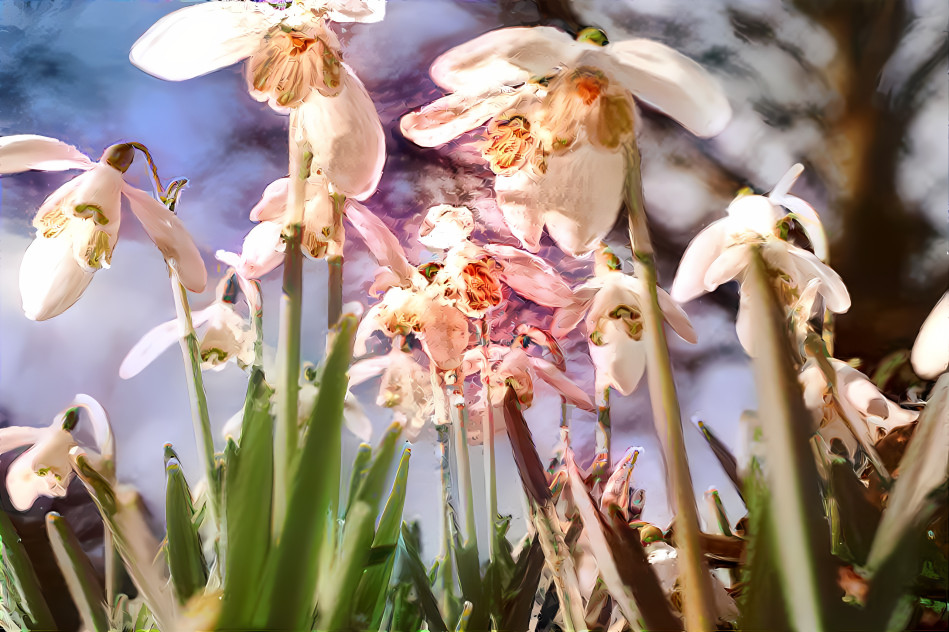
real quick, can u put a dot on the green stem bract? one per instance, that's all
(560, 563)
(699, 600)
(81, 579)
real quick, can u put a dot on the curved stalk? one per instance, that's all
(698, 597)
(459, 417)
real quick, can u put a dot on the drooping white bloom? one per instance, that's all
(722, 252)
(612, 305)
(872, 415)
(294, 61)
(930, 357)
(45, 468)
(405, 387)
(78, 224)
(227, 337)
(558, 112)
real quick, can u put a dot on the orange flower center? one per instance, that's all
(509, 144)
(482, 288)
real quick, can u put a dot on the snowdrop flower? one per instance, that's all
(612, 305)
(227, 337)
(45, 468)
(406, 387)
(859, 401)
(930, 357)
(323, 231)
(558, 112)
(502, 366)
(78, 224)
(616, 492)
(294, 61)
(722, 252)
(471, 275)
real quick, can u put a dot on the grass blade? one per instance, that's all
(80, 578)
(27, 584)
(189, 572)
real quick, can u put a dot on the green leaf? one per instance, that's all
(725, 458)
(922, 471)
(290, 579)
(27, 584)
(371, 594)
(189, 572)
(360, 467)
(415, 572)
(336, 601)
(81, 579)
(802, 544)
(517, 602)
(857, 515)
(248, 506)
(533, 474)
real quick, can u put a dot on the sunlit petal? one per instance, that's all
(23, 152)
(676, 317)
(50, 278)
(381, 241)
(170, 235)
(530, 276)
(506, 56)
(272, 203)
(146, 350)
(196, 40)
(704, 249)
(836, 296)
(563, 384)
(346, 137)
(451, 116)
(620, 361)
(667, 80)
(930, 356)
(364, 11)
(729, 265)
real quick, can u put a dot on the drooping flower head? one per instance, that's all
(722, 252)
(45, 469)
(610, 304)
(228, 336)
(78, 225)
(558, 111)
(294, 63)
(930, 355)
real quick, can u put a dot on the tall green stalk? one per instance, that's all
(288, 340)
(601, 463)
(697, 591)
(459, 420)
(191, 355)
(487, 437)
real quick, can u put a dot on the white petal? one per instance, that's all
(807, 217)
(522, 214)
(930, 356)
(152, 345)
(262, 250)
(787, 181)
(381, 241)
(445, 334)
(14, 437)
(272, 203)
(752, 213)
(346, 137)
(531, 277)
(835, 293)
(744, 322)
(563, 384)
(23, 152)
(364, 11)
(99, 187)
(23, 485)
(446, 227)
(200, 39)
(860, 392)
(729, 265)
(669, 81)
(704, 249)
(100, 423)
(567, 318)
(676, 317)
(506, 56)
(355, 418)
(170, 235)
(50, 278)
(367, 369)
(449, 117)
(620, 361)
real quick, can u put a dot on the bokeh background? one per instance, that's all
(855, 90)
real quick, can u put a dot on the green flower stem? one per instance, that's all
(443, 427)
(334, 304)
(257, 318)
(602, 464)
(560, 563)
(802, 550)
(459, 417)
(699, 600)
(109, 554)
(17, 563)
(288, 339)
(191, 355)
(487, 437)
